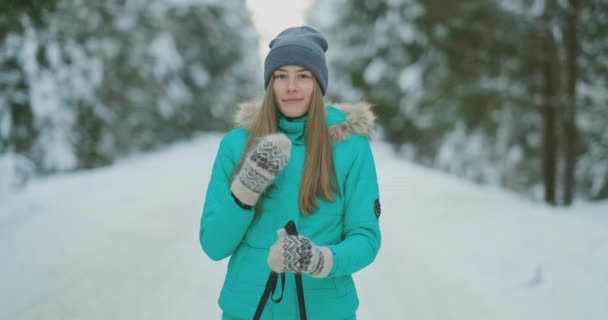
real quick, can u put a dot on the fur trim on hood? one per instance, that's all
(359, 119)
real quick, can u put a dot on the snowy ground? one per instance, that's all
(122, 243)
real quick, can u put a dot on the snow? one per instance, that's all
(534, 8)
(200, 75)
(121, 243)
(410, 78)
(167, 56)
(374, 71)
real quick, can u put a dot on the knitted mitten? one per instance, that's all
(262, 165)
(298, 254)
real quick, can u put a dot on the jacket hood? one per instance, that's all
(343, 119)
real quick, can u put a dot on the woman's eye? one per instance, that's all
(304, 76)
(280, 76)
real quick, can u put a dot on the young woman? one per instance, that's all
(294, 158)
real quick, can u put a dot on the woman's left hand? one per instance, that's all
(298, 254)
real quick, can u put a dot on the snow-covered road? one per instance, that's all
(121, 243)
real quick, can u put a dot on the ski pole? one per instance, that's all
(290, 228)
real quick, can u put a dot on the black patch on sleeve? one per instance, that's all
(377, 210)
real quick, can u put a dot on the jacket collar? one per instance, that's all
(342, 120)
(293, 128)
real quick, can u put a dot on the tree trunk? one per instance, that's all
(569, 112)
(548, 110)
(89, 139)
(23, 132)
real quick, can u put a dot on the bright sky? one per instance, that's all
(272, 16)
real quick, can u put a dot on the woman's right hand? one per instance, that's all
(260, 168)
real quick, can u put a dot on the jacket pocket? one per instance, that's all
(253, 270)
(320, 284)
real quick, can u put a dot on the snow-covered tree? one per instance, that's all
(99, 80)
(19, 132)
(476, 88)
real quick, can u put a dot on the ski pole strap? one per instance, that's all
(271, 282)
(271, 285)
(282, 289)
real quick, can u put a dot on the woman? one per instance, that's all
(294, 158)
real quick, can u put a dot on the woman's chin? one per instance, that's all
(293, 112)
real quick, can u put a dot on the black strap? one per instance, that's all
(300, 290)
(271, 285)
(290, 228)
(282, 289)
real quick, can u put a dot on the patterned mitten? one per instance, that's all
(269, 157)
(298, 254)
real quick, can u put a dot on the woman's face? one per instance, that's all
(293, 86)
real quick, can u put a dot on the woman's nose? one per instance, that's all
(291, 84)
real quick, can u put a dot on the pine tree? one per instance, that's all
(113, 77)
(482, 89)
(19, 132)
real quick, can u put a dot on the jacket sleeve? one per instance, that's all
(223, 223)
(361, 232)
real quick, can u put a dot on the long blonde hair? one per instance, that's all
(319, 175)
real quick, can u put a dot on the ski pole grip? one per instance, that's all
(290, 227)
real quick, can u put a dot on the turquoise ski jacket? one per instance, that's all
(349, 226)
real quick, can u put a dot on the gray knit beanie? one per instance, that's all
(303, 46)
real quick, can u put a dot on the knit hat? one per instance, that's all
(303, 46)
